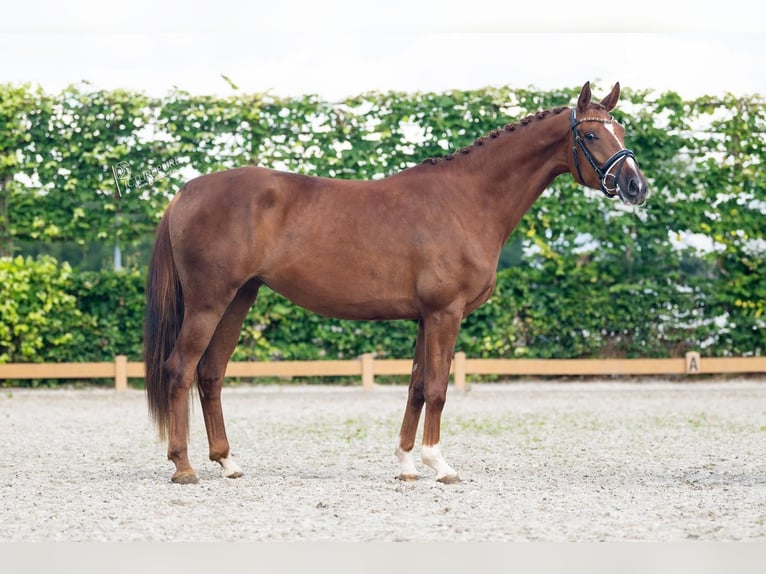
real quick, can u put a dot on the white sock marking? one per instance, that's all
(406, 463)
(230, 468)
(433, 457)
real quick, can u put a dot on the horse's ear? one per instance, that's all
(610, 102)
(584, 99)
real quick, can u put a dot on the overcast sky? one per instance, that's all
(340, 48)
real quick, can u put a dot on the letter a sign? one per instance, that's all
(692, 363)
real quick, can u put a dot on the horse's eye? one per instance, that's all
(590, 136)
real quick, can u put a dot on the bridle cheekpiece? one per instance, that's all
(617, 160)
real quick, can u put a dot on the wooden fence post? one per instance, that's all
(459, 376)
(368, 372)
(120, 373)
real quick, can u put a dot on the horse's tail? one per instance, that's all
(162, 323)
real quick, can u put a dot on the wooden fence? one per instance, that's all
(367, 367)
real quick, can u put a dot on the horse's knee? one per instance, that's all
(435, 397)
(416, 398)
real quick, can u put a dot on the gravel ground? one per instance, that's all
(586, 461)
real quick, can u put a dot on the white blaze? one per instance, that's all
(610, 129)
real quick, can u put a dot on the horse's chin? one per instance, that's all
(637, 200)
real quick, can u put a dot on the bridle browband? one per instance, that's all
(618, 159)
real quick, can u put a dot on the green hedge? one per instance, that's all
(52, 313)
(582, 276)
(41, 320)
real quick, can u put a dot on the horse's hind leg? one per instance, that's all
(197, 329)
(210, 375)
(415, 401)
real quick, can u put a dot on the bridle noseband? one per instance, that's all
(618, 159)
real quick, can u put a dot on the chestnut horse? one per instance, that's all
(422, 244)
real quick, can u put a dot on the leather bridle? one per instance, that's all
(617, 160)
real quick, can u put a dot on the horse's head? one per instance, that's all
(599, 158)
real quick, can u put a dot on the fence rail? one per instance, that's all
(367, 367)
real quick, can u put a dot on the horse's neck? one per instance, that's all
(507, 173)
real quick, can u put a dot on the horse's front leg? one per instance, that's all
(415, 401)
(440, 329)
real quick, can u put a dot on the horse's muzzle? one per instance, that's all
(632, 187)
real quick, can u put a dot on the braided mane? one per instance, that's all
(495, 134)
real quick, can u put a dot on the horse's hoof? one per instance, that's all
(184, 478)
(449, 479)
(230, 468)
(407, 477)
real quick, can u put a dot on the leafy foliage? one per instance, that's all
(581, 277)
(112, 303)
(52, 313)
(40, 318)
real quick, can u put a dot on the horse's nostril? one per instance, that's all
(633, 186)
